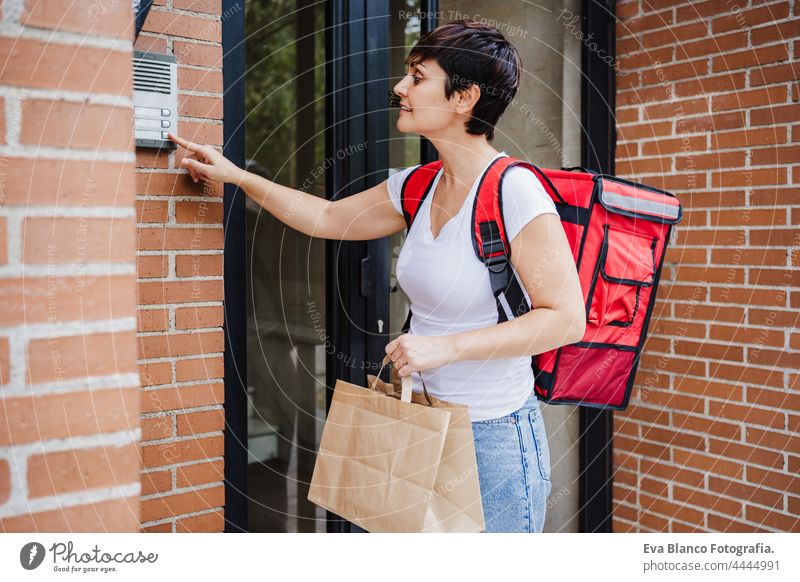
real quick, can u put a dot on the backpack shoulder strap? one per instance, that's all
(489, 238)
(416, 187)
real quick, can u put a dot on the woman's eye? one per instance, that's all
(417, 79)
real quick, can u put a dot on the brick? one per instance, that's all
(660, 470)
(181, 451)
(700, 424)
(708, 501)
(747, 216)
(155, 373)
(779, 521)
(711, 237)
(742, 373)
(675, 34)
(183, 25)
(5, 361)
(709, 387)
(713, 45)
(174, 184)
(50, 65)
(200, 473)
(773, 439)
(157, 427)
(773, 317)
(76, 125)
(733, 178)
(748, 99)
(774, 74)
(202, 55)
(777, 358)
(152, 266)
(174, 238)
(748, 138)
(709, 350)
(199, 265)
(725, 525)
(666, 73)
(745, 453)
(776, 237)
(710, 161)
(77, 240)
(678, 511)
(746, 335)
(80, 356)
(151, 211)
(774, 298)
(773, 479)
(751, 58)
(117, 515)
(716, 122)
(160, 528)
(710, 84)
(82, 470)
(5, 481)
(665, 147)
(775, 31)
(152, 159)
(198, 317)
(754, 257)
(746, 414)
(776, 277)
(198, 212)
(182, 503)
(673, 438)
(184, 344)
(199, 369)
(202, 80)
(774, 156)
(198, 106)
(156, 482)
(706, 463)
(709, 274)
(164, 399)
(195, 423)
(746, 19)
(207, 522)
(26, 419)
(151, 293)
(203, 132)
(106, 19)
(30, 182)
(148, 43)
(207, 6)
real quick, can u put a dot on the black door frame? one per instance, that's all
(357, 74)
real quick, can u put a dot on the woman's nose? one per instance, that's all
(401, 86)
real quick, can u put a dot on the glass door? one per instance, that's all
(286, 299)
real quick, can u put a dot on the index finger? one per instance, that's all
(183, 143)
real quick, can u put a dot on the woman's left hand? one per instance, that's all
(416, 353)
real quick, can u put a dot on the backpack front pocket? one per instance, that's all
(626, 266)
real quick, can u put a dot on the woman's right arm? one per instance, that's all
(363, 216)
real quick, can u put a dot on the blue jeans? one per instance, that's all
(513, 469)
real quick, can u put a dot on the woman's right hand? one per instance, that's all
(206, 163)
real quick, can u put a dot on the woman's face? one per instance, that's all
(424, 110)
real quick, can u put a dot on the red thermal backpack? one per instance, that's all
(618, 231)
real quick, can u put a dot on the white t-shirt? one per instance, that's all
(450, 293)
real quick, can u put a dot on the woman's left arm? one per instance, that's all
(541, 255)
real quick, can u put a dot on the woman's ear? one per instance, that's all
(467, 98)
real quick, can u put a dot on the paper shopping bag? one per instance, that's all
(397, 462)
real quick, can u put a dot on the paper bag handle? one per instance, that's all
(406, 384)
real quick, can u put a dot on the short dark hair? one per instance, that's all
(472, 53)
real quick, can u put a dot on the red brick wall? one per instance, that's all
(707, 107)
(69, 404)
(180, 287)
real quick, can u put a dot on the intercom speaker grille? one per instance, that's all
(152, 76)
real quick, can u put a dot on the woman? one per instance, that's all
(460, 80)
